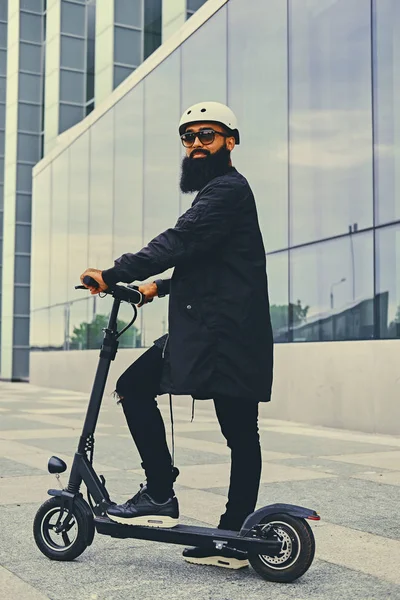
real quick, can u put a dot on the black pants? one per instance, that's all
(139, 385)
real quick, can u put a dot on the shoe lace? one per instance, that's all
(136, 497)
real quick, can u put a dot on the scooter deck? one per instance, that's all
(188, 535)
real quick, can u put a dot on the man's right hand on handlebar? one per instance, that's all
(97, 276)
(148, 290)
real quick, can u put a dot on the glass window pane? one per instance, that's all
(71, 86)
(121, 73)
(386, 63)
(78, 323)
(21, 362)
(58, 327)
(30, 27)
(32, 5)
(128, 12)
(58, 248)
(256, 87)
(72, 52)
(22, 269)
(69, 116)
(23, 238)
(78, 224)
(204, 62)
(24, 208)
(128, 173)
(24, 178)
(2, 89)
(2, 140)
(195, 4)
(30, 57)
(28, 147)
(29, 117)
(332, 290)
(3, 35)
(127, 46)
(153, 12)
(21, 300)
(162, 158)
(1, 170)
(3, 62)
(30, 87)
(388, 281)
(72, 18)
(1, 197)
(41, 202)
(101, 192)
(3, 11)
(21, 331)
(330, 118)
(278, 286)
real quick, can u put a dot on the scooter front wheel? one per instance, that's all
(61, 533)
(296, 553)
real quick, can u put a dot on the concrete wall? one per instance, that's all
(349, 385)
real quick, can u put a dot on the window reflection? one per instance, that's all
(254, 62)
(59, 230)
(78, 214)
(331, 290)
(388, 281)
(128, 174)
(40, 259)
(101, 192)
(330, 117)
(59, 251)
(386, 64)
(78, 318)
(204, 62)
(278, 286)
(161, 162)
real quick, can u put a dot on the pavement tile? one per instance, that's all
(13, 468)
(388, 478)
(37, 434)
(386, 460)
(13, 588)
(349, 477)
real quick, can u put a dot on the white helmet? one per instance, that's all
(214, 112)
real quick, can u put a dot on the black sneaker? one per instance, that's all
(227, 557)
(143, 510)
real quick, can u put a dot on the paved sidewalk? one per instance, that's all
(351, 479)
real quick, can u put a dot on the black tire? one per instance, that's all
(298, 549)
(67, 545)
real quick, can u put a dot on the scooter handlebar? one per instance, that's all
(128, 293)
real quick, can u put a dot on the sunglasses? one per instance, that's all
(206, 137)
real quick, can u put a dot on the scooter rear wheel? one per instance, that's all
(62, 539)
(297, 551)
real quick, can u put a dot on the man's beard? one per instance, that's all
(197, 172)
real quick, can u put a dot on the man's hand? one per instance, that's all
(96, 275)
(149, 291)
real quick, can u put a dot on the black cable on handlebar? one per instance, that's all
(129, 324)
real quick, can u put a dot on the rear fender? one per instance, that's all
(289, 509)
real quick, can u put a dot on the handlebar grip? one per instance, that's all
(87, 280)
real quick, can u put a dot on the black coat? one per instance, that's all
(220, 336)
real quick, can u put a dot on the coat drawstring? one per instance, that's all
(192, 411)
(172, 426)
(172, 429)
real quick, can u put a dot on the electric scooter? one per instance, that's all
(278, 539)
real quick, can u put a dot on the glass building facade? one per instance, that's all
(58, 59)
(314, 89)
